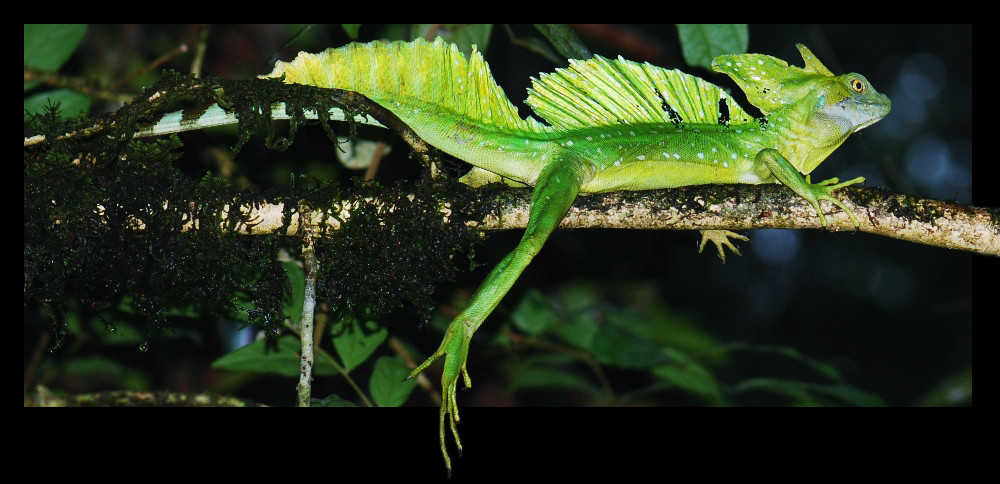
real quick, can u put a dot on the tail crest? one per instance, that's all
(408, 76)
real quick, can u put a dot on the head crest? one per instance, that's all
(769, 82)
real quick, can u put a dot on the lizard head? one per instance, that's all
(825, 108)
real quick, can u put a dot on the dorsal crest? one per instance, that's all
(608, 92)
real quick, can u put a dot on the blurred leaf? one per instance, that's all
(686, 374)
(617, 346)
(105, 371)
(354, 344)
(534, 313)
(565, 41)
(332, 401)
(823, 369)
(297, 280)
(48, 46)
(701, 43)
(954, 390)
(71, 103)
(551, 378)
(811, 394)
(387, 386)
(351, 30)
(283, 361)
(462, 35)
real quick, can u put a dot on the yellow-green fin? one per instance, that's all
(605, 92)
(416, 75)
(769, 82)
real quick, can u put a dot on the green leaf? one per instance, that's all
(549, 378)
(387, 386)
(284, 361)
(565, 41)
(48, 46)
(954, 390)
(810, 394)
(333, 400)
(616, 346)
(354, 344)
(462, 35)
(104, 369)
(701, 43)
(823, 369)
(71, 103)
(686, 374)
(297, 279)
(351, 30)
(534, 313)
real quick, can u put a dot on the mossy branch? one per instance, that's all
(734, 207)
(44, 397)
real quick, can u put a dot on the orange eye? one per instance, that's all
(857, 85)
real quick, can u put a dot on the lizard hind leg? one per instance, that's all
(721, 240)
(554, 192)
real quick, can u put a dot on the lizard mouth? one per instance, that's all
(875, 111)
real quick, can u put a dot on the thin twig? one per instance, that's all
(180, 49)
(308, 308)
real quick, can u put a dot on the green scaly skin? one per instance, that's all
(614, 125)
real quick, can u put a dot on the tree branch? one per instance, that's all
(732, 207)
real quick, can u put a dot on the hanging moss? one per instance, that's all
(396, 247)
(85, 194)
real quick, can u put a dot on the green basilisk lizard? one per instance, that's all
(612, 125)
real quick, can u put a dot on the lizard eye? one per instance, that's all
(858, 85)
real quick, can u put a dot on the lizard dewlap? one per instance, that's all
(609, 124)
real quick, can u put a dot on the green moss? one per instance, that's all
(77, 254)
(395, 248)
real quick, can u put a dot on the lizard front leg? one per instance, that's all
(813, 192)
(554, 192)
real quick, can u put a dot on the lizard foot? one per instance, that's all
(823, 190)
(454, 348)
(721, 239)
